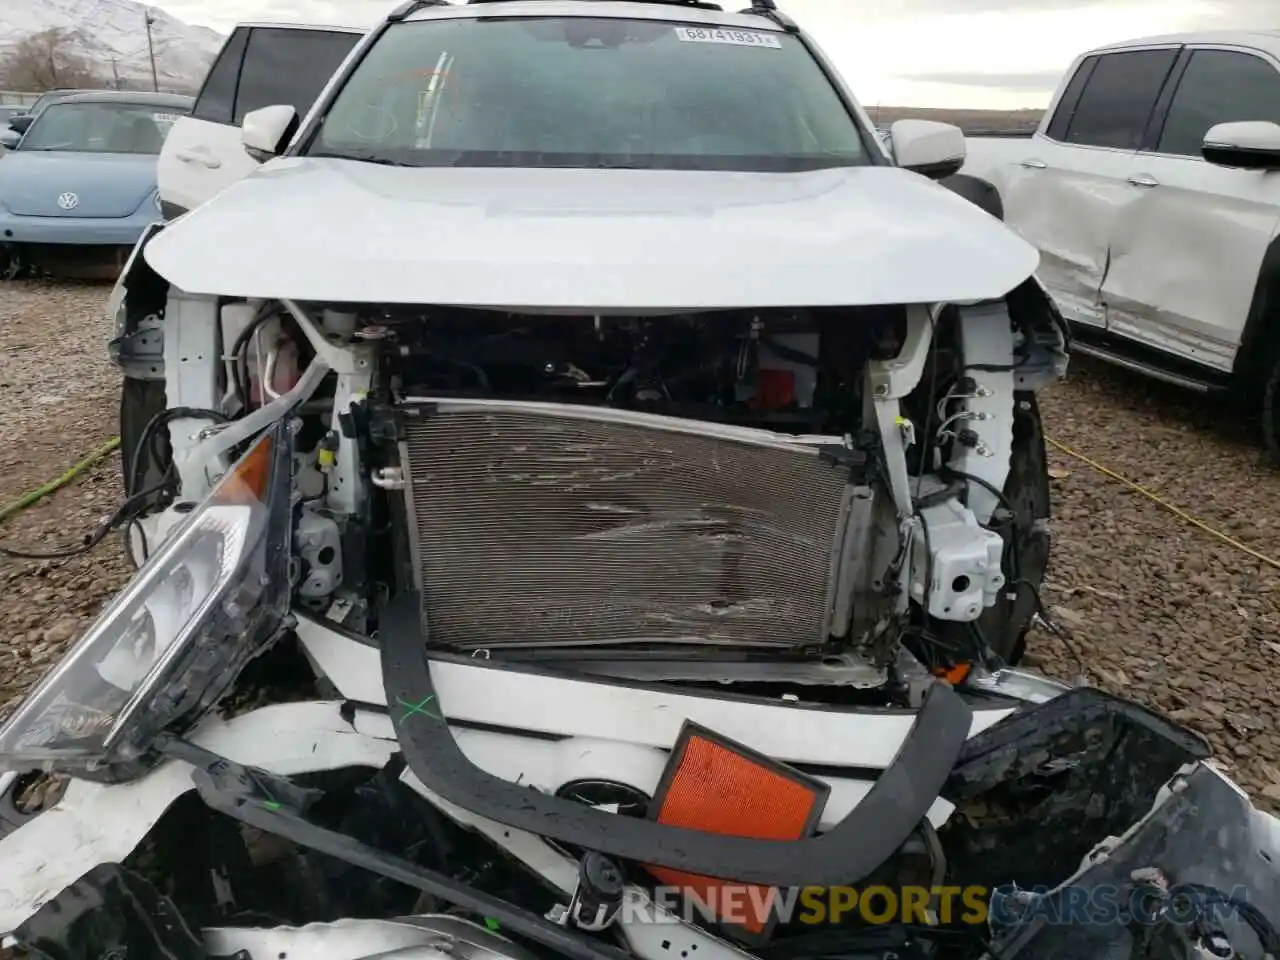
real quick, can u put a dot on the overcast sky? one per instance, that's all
(1000, 54)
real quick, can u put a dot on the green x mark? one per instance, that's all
(411, 708)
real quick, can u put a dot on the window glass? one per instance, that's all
(1219, 86)
(587, 92)
(218, 95)
(1118, 99)
(102, 128)
(289, 67)
(1066, 108)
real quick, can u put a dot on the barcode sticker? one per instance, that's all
(739, 38)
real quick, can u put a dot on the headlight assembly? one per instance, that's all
(213, 594)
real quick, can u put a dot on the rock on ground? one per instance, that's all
(1160, 610)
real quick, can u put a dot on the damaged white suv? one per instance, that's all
(578, 410)
(649, 220)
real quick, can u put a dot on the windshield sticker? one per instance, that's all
(739, 38)
(165, 117)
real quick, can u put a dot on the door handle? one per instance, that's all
(187, 156)
(1144, 180)
(1034, 164)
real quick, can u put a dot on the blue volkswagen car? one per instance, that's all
(81, 183)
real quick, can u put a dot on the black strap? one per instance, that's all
(847, 853)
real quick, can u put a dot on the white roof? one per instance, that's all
(682, 13)
(331, 27)
(1268, 40)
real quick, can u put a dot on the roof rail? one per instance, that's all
(700, 4)
(411, 7)
(769, 10)
(760, 8)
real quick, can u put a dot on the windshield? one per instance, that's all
(101, 128)
(49, 98)
(587, 92)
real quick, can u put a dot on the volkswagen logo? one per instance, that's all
(68, 201)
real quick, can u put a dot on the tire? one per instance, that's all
(1271, 414)
(1006, 624)
(13, 263)
(140, 401)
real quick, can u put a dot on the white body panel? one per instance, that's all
(199, 159)
(1185, 256)
(1065, 201)
(559, 706)
(1162, 250)
(339, 230)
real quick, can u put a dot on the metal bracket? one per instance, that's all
(851, 573)
(986, 334)
(140, 355)
(192, 364)
(896, 378)
(353, 363)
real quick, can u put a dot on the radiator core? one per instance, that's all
(554, 525)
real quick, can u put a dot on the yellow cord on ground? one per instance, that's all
(35, 496)
(1176, 511)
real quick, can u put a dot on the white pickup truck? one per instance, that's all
(1152, 190)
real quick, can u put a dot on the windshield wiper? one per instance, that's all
(362, 157)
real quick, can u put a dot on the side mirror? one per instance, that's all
(266, 132)
(1247, 145)
(9, 139)
(20, 123)
(927, 147)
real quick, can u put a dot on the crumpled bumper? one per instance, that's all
(1204, 855)
(96, 823)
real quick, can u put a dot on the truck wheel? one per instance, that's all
(1006, 624)
(140, 401)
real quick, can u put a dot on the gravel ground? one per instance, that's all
(1160, 611)
(61, 398)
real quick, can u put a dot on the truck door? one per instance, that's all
(1186, 256)
(259, 66)
(1070, 189)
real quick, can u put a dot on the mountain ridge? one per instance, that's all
(111, 35)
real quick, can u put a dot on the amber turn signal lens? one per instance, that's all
(954, 675)
(715, 786)
(247, 481)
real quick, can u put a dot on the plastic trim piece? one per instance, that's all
(849, 852)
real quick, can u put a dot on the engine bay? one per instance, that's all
(796, 371)
(786, 487)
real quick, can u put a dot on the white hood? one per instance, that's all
(338, 230)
